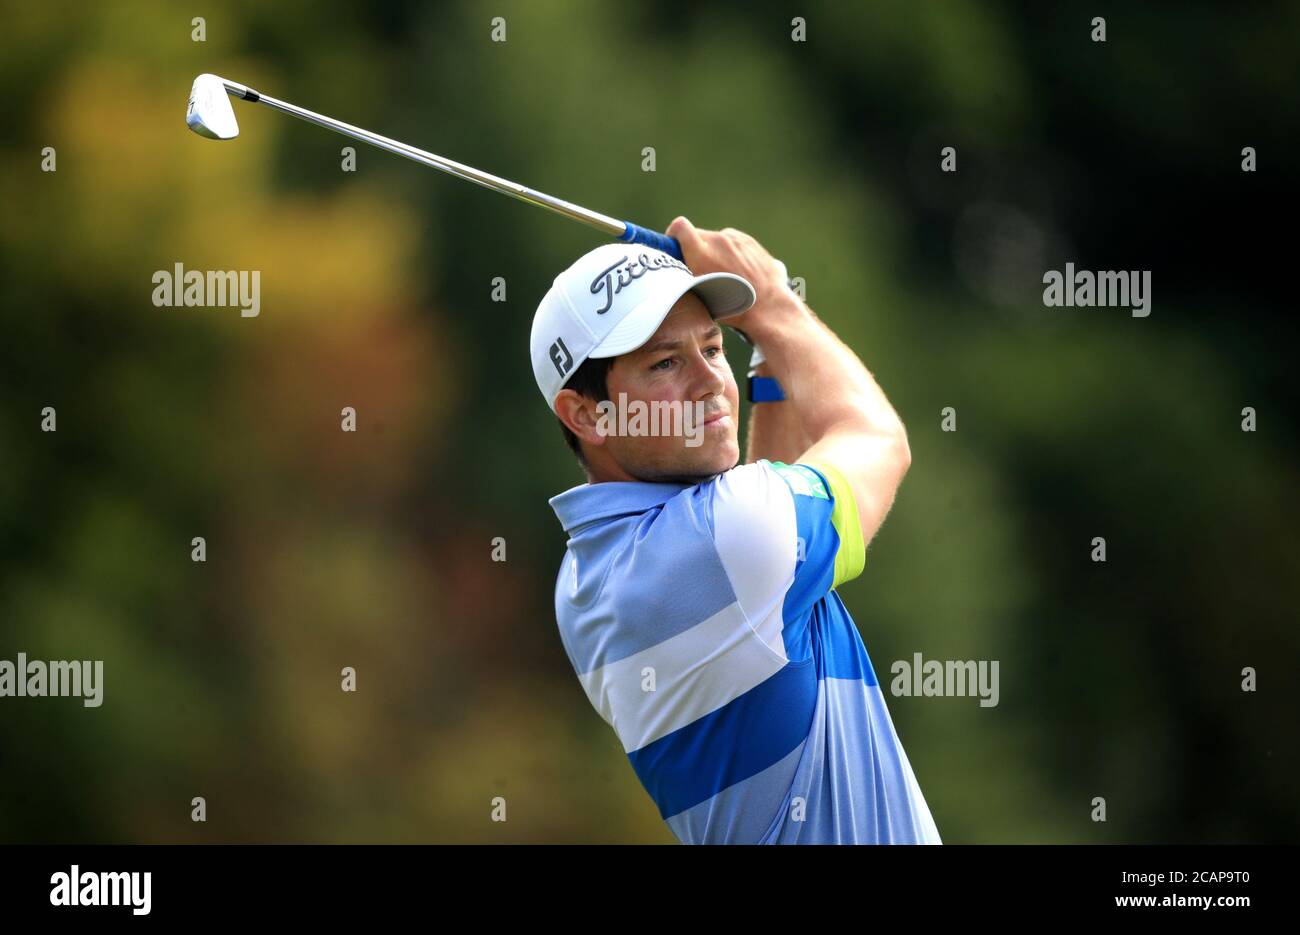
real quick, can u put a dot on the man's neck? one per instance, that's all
(603, 473)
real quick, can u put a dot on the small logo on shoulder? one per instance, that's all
(561, 357)
(802, 480)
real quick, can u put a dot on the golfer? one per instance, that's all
(696, 600)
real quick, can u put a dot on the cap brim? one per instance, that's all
(723, 294)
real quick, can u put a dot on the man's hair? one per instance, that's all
(588, 380)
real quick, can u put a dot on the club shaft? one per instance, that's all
(608, 225)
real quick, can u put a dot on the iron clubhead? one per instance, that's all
(209, 113)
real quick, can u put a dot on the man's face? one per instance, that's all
(684, 369)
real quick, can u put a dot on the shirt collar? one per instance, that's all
(586, 503)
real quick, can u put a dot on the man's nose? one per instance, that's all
(706, 378)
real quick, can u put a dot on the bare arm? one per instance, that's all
(775, 432)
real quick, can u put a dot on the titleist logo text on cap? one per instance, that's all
(626, 271)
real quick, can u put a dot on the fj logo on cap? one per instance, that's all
(625, 271)
(561, 357)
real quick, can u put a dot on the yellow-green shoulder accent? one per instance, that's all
(851, 556)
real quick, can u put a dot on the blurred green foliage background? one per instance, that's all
(372, 549)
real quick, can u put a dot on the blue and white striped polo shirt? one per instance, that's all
(702, 622)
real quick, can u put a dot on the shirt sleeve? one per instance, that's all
(849, 549)
(786, 534)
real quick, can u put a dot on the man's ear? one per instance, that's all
(581, 415)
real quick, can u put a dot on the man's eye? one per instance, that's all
(716, 347)
(660, 365)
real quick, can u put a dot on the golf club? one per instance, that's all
(210, 115)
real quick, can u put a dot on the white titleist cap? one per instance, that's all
(611, 301)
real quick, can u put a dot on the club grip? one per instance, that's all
(635, 233)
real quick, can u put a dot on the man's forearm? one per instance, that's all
(825, 383)
(775, 432)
